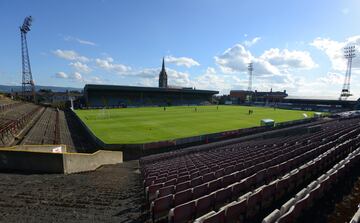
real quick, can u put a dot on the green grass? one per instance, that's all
(141, 125)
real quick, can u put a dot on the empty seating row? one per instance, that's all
(13, 120)
(159, 158)
(188, 161)
(232, 172)
(222, 155)
(231, 189)
(7, 105)
(44, 130)
(249, 205)
(305, 198)
(169, 155)
(208, 175)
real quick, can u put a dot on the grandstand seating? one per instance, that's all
(305, 198)
(44, 130)
(230, 183)
(7, 104)
(13, 120)
(30, 124)
(58, 127)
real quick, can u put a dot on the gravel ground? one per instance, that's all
(110, 194)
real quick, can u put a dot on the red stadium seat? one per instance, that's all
(164, 191)
(161, 206)
(182, 213)
(253, 204)
(235, 211)
(222, 196)
(182, 197)
(204, 204)
(196, 181)
(212, 217)
(288, 217)
(182, 186)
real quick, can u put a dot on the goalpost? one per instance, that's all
(103, 114)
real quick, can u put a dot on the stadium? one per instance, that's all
(172, 154)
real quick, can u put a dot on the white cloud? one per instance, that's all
(182, 61)
(70, 55)
(77, 76)
(237, 58)
(177, 78)
(335, 51)
(345, 11)
(86, 42)
(147, 82)
(273, 69)
(331, 78)
(288, 59)
(61, 75)
(210, 80)
(273, 61)
(81, 67)
(252, 42)
(74, 76)
(96, 80)
(149, 77)
(107, 64)
(81, 41)
(147, 73)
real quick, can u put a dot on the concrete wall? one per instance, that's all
(15, 159)
(80, 162)
(41, 148)
(25, 161)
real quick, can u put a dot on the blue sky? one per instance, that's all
(294, 45)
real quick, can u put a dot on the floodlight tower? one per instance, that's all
(28, 86)
(250, 70)
(250, 94)
(349, 54)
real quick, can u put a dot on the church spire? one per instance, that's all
(163, 76)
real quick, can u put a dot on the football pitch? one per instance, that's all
(151, 124)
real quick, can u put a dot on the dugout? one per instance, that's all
(267, 122)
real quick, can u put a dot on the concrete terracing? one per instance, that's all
(112, 193)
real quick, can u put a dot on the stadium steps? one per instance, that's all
(65, 136)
